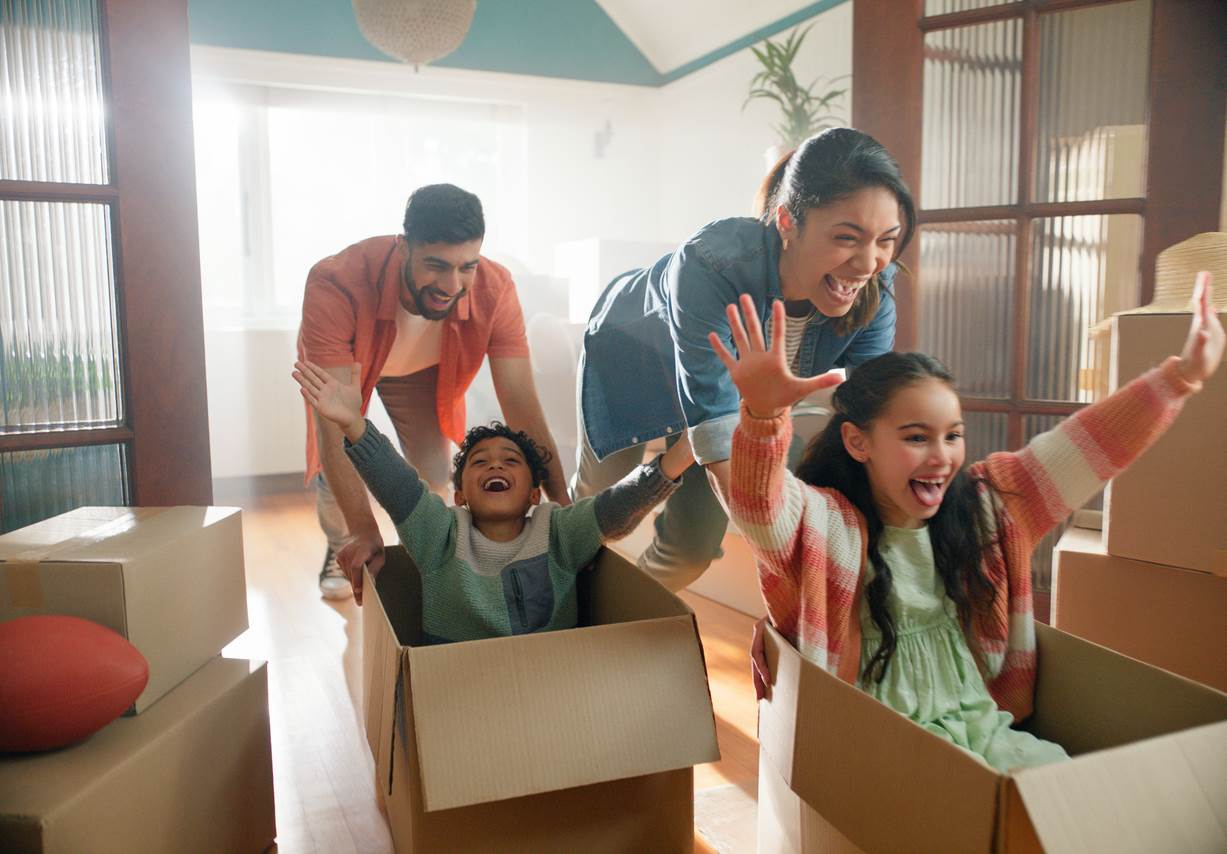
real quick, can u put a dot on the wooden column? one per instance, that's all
(158, 255)
(1188, 103)
(887, 96)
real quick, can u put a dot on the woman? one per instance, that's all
(838, 215)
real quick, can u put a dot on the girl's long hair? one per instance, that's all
(960, 532)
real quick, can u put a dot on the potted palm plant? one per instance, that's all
(805, 109)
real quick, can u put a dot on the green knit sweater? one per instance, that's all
(531, 586)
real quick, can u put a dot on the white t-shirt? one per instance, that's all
(416, 347)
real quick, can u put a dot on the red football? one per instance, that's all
(62, 679)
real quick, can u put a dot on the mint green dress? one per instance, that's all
(932, 678)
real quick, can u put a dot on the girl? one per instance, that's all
(887, 563)
(839, 216)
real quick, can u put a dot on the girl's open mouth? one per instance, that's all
(928, 491)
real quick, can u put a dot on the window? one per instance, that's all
(287, 176)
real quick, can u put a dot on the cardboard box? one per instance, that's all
(1170, 617)
(1170, 507)
(193, 774)
(1149, 773)
(170, 580)
(576, 740)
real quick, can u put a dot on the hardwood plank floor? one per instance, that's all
(322, 767)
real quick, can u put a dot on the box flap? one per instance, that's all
(1164, 794)
(381, 664)
(847, 749)
(1083, 686)
(507, 717)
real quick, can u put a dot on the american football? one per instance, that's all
(62, 679)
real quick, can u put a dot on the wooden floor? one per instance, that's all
(322, 767)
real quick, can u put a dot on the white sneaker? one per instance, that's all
(334, 584)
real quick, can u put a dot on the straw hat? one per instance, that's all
(1177, 267)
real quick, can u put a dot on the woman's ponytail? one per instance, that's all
(765, 200)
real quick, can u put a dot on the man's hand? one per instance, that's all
(339, 402)
(363, 550)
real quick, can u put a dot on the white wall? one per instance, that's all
(711, 151)
(619, 163)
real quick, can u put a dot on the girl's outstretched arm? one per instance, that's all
(1061, 469)
(794, 530)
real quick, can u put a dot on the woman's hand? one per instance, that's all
(763, 377)
(678, 458)
(340, 403)
(1203, 351)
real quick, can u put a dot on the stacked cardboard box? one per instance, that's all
(576, 740)
(1154, 586)
(189, 768)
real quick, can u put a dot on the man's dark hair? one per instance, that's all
(535, 456)
(443, 213)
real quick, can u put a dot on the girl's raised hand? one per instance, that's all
(1203, 351)
(334, 400)
(762, 375)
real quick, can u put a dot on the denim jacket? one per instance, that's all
(647, 369)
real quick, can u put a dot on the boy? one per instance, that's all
(488, 569)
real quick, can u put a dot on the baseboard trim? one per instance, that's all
(229, 490)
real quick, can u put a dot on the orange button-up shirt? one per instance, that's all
(349, 315)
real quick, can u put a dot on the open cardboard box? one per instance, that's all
(1149, 771)
(193, 774)
(1170, 506)
(1167, 616)
(575, 740)
(169, 579)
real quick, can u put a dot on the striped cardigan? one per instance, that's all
(810, 543)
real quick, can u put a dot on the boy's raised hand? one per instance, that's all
(339, 402)
(762, 375)
(1203, 351)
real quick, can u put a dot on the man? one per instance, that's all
(419, 312)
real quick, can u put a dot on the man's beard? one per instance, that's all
(419, 299)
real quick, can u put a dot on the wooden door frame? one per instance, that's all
(1187, 107)
(152, 199)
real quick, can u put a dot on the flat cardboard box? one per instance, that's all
(1149, 773)
(1170, 506)
(575, 740)
(1167, 616)
(193, 774)
(169, 579)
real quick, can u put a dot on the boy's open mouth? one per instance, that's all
(928, 491)
(496, 483)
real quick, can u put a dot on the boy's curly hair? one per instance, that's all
(535, 456)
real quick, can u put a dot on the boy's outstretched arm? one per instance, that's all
(620, 508)
(394, 483)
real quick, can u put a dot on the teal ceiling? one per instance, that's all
(551, 38)
(572, 39)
